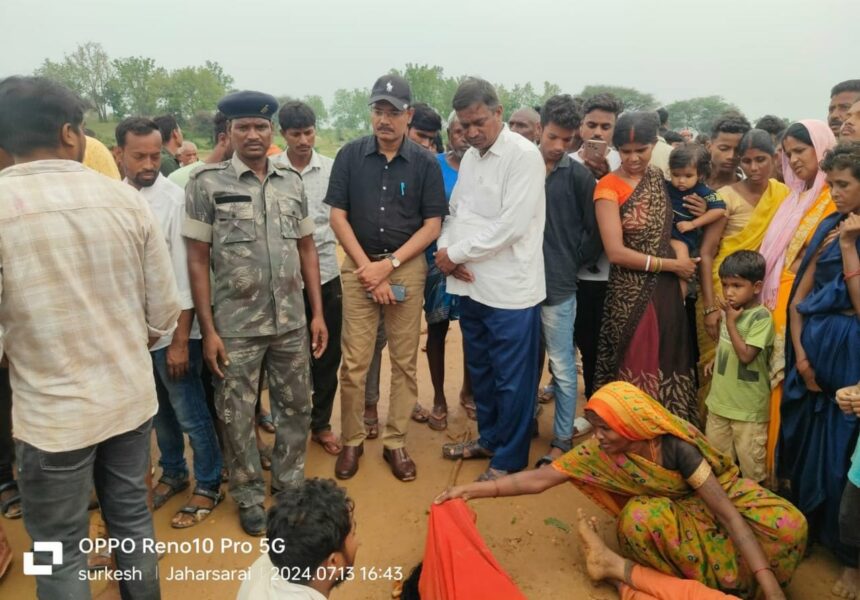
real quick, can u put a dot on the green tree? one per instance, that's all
(135, 86)
(318, 106)
(429, 84)
(632, 98)
(698, 113)
(188, 90)
(88, 71)
(349, 109)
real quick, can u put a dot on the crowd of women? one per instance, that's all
(682, 508)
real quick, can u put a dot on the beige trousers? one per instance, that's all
(402, 328)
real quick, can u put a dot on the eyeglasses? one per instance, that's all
(391, 114)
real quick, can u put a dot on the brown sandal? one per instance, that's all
(420, 414)
(465, 450)
(438, 421)
(329, 443)
(468, 404)
(371, 428)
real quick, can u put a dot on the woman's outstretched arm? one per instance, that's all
(523, 483)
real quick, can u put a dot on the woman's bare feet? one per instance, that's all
(847, 585)
(600, 562)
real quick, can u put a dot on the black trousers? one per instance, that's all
(7, 446)
(590, 296)
(324, 370)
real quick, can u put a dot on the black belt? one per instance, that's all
(378, 257)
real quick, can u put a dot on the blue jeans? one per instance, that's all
(184, 410)
(55, 493)
(557, 327)
(502, 356)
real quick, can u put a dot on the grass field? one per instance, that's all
(329, 141)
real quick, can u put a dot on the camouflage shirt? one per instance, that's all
(253, 228)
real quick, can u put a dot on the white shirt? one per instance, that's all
(660, 156)
(263, 584)
(496, 223)
(315, 178)
(586, 273)
(167, 201)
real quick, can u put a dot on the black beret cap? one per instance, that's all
(248, 104)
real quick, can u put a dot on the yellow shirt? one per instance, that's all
(738, 210)
(98, 158)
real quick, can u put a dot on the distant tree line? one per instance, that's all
(136, 85)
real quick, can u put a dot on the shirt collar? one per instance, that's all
(241, 168)
(562, 163)
(42, 166)
(404, 151)
(153, 189)
(498, 147)
(314, 164)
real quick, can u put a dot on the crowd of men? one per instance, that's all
(185, 285)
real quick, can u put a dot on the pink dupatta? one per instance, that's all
(787, 218)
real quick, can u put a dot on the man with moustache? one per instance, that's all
(850, 130)
(249, 218)
(490, 248)
(842, 96)
(387, 202)
(177, 359)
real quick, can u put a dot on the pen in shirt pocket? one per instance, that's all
(402, 188)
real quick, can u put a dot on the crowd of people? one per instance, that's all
(706, 290)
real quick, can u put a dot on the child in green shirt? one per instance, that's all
(738, 403)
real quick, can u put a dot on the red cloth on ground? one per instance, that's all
(457, 563)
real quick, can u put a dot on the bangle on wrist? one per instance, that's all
(648, 264)
(849, 274)
(709, 309)
(759, 570)
(496, 487)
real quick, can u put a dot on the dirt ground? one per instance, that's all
(544, 559)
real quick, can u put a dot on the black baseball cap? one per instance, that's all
(393, 89)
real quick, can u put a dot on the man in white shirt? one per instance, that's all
(298, 128)
(177, 358)
(310, 533)
(491, 248)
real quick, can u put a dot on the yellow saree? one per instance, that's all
(662, 523)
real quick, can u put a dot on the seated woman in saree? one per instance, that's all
(786, 240)
(817, 438)
(682, 508)
(644, 336)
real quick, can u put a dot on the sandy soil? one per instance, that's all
(544, 559)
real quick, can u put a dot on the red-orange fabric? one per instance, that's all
(457, 563)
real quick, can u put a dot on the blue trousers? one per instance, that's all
(502, 356)
(182, 409)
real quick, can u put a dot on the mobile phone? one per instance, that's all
(594, 149)
(398, 290)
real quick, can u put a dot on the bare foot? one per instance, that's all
(600, 562)
(847, 585)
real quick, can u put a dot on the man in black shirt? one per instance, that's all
(388, 200)
(570, 238)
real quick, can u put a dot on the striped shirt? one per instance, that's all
(85, 281)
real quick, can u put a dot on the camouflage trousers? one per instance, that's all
(288, 368)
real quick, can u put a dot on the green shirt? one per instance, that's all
(168, 162)
(742, 392)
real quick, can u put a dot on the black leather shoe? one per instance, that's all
(347, 461)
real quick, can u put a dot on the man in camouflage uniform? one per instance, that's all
(249, 217)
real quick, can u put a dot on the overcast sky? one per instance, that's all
(765, 56)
